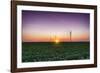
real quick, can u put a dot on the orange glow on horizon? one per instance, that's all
(56, 39)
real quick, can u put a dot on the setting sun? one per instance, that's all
(56, 41)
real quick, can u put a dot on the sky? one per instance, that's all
(46, 26)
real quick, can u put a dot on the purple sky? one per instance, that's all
(42, 25)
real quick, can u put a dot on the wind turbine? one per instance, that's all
(70, 34)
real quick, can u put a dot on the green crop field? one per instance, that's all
(49, 51)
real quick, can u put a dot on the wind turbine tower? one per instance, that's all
(70, 33)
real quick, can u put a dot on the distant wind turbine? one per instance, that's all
(70, 33)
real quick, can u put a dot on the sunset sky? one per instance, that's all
(44, 26)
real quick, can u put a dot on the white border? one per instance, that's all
(53, 63)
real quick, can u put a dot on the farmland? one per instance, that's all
(49, 51)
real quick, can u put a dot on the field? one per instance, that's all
(49, 51)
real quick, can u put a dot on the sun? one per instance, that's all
(57, 41)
